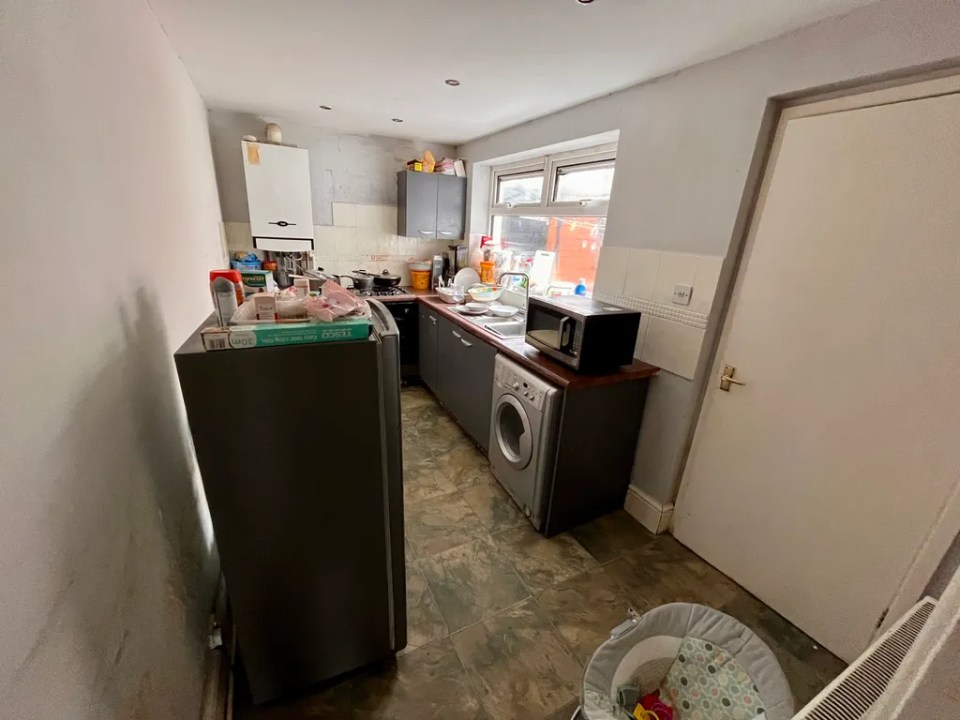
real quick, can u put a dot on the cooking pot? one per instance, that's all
(362, 281)
(383, 280)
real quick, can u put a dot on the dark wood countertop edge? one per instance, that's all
(531, 358)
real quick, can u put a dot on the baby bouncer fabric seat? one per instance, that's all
(707, 666)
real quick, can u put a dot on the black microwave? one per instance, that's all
(586, 334)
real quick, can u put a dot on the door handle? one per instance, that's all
(427, 232)
(282, 223)
(465, 343)
(433, 319)
(726, 378)
(457, 335)
(446, 232)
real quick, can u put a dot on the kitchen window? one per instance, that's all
(556, 204)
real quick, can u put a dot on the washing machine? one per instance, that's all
(523, 432)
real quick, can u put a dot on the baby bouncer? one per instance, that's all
(705, 665)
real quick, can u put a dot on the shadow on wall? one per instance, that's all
(137, 565)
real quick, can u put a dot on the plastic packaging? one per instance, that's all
(224, 299)
(234, 277)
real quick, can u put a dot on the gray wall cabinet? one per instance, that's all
(431, 205)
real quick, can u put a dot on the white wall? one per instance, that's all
(110, 223)
(686, 145)
(353, 179)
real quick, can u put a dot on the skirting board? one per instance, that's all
(647, 511)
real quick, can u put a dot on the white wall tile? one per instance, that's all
(672, 346)
(705, 284)
(643, 266)
(238, 236)
(325, 242)
(344, 214)
(382, 218)
(641, 334)
(612, 270)
(675, 269)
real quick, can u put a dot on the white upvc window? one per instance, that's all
(557, 203)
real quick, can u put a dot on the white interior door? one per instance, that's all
(824, 482)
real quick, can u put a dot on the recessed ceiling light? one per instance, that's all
(397, 120)
(326, 107)
(452, 83)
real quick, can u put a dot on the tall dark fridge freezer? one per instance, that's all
(299, 448)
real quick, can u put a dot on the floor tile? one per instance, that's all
(611, 535)
(518, 664)
(439, 523)
(426, 684)
(467, 466)
(542, 562)
(472, 582)
(493, 506)
(584, 609)
(424, 622)
(425, 478)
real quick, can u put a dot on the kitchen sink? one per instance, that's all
(508, 328)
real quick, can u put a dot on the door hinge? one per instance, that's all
(883, 616)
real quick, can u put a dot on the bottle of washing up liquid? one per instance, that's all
(581, 288)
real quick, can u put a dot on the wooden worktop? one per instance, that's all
(518, 350)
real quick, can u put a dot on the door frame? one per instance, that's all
(777, 113)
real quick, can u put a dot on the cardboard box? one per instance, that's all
(240, 337)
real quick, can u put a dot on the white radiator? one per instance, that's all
(857, 688)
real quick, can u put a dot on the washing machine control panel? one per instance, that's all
(523, 387)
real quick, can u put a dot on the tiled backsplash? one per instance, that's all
(670, 335)
(362, 237)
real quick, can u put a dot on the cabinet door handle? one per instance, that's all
(433, 319)
(447, 232)
(427, 232)
(457, 335)
(465, 343)
(282, 223)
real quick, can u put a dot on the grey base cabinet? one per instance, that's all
(429, 330)
(459, 369)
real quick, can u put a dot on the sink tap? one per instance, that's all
(526, 285)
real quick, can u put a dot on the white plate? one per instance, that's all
(466, 278)
(464, 310)
(503, 310)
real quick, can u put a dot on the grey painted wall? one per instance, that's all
(686, 145)
(343, 167)
(106, 551)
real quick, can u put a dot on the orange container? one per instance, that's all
(420, 279)
(486, 271)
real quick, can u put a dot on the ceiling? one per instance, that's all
(374, 60)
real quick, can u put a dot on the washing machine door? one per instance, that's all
(512, 432)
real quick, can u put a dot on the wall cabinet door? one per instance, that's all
(417, 204)
(428, 347)
(451, 207)
(278, 196)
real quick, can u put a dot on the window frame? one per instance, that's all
(550, 166)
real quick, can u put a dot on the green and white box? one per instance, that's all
(240, 337)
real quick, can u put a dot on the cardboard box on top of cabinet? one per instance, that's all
(240, 337)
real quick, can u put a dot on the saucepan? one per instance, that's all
(386, 279)
(361, 280)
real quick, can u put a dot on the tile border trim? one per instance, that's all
(658, 310)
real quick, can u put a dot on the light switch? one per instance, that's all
(682, 294)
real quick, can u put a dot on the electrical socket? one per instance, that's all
(682, 294)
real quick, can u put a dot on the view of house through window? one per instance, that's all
(556, 204)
